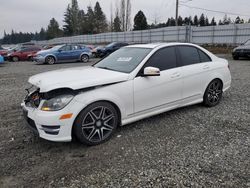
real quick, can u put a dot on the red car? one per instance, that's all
(23, 54)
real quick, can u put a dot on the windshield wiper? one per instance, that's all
(107, 68)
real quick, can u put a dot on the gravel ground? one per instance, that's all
(190, 147)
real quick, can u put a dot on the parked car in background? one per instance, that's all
(63, 53)
(1, 59)
(22, 53)
(242, 51)
(132, 83)
(94, 51)
(102, 52)
(3, 52)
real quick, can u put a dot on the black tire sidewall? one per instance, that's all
(84, 55)
(77, 128)
(15, 57)
(46, 60)
(205, 98)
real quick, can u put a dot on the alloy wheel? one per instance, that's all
(98, 124)
(213, 93)
(84, 58)
(50, 60)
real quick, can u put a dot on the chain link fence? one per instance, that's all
(233, 35)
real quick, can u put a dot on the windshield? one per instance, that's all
(57, 47)
(124, 60)
(247, 42)
(110, 45)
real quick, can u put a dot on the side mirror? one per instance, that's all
(59, 50)
(151, 71)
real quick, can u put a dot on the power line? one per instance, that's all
(216, 11)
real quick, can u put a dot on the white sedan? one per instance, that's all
(133, 83)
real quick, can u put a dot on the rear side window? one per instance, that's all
(189, 55)
(204, 57)
(163, 59)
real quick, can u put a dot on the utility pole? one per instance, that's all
(176, 15)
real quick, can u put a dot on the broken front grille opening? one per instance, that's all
(33, 99)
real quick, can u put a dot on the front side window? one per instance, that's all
(66, 48)
(124, 60)
(163, 59)
(189, 55)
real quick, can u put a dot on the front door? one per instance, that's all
(159, 91)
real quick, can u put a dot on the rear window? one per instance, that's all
(189, 55)
(204, 57)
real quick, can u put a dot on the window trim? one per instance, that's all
(140, 72)
(180, 57)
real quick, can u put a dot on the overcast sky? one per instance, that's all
(31, 15)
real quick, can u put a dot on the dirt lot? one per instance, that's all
(189, 147)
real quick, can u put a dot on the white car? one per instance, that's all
(132, 83)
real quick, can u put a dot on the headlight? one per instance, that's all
(57, 103)
(39, 55)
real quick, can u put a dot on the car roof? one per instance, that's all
(156, 45)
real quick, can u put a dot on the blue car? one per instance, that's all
(1, 59)
(63, 53)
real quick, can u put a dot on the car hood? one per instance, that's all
(243, 47)
(76, 78)
(45, 52)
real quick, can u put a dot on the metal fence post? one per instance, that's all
(235, 35)
(163, 35)
(141, 36)
(213, 32)
(149, 36)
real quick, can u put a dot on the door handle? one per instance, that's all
(175, 75)
(206, 67)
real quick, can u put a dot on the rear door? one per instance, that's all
(195, 69)
(159, 91)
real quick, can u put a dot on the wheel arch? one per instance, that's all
(108, 101)
(52, 55)
(216, 78)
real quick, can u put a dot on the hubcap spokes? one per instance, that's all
(98, 124)
(214, 92)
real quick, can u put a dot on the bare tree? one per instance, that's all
(111, 17)
(128, 15)
(123, 14)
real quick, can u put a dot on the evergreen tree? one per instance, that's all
(206, 21)
(90, 20)
(196, 20)
(42, 34)
(53, 29)
(140, 21)
(82, 17)
(202, 20)
(100, 23)
(71, 19)
(213, 22)
(117, 23)
(180, 21)
(172, 22)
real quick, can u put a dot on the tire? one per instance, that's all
(50, 60)
(30, 58)
(213, 93)
(236, 57)
(96, 123)
(15, 59)
(84, 58)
